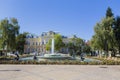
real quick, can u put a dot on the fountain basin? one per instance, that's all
(55, 56)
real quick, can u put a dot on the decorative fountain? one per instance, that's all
(57, 56)
(54, 55)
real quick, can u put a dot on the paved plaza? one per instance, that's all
(59, 72)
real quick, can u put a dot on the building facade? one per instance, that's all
(37, 44)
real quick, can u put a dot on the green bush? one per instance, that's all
(62, 62)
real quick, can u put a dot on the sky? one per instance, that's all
(67, 17)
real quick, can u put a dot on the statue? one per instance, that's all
(82, 56)
(17, 55)
(35, 54)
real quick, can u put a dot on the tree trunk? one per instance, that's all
(113, 53)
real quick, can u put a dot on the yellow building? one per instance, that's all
(38, 43)
(32, 45)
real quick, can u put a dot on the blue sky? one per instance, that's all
(68, 17)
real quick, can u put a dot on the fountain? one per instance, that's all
(54, 55)
(52, 47)
(57, 56)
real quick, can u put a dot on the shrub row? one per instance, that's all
(66, 62)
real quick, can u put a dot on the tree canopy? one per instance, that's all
(109, 12)
(117, 31)
(103, 39)
(21, 41)
(9, 29)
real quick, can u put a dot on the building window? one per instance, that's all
(36, 43)
(42, 43)
(28, 43)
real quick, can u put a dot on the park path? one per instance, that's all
(59, 72)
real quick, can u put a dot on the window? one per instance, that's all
(28, 43)
(42, 42)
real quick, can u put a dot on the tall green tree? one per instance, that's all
(14, 31)
(9, 29)
(103, 38)
(21, 41)
(117, 31)
(109, 12)
(4, 25)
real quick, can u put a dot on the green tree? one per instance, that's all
(117, 31)
(21, 41)
(70, 47)
(104, 38)
(48, 45)
(109, 12)
(87, 49)
(4, 25)
(75, 46)
(9, 29)
(58, 42)
(14, 31)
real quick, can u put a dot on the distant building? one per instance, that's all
(32, 45)
(38, 43)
